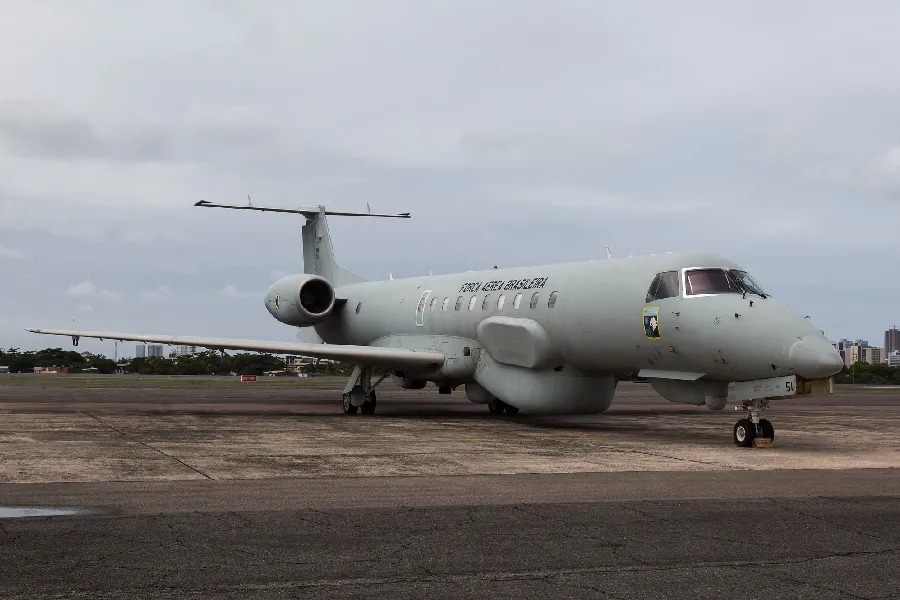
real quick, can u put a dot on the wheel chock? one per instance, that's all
(762, 443)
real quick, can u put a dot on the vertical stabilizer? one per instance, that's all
(318, 253)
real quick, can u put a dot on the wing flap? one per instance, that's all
(393, 358)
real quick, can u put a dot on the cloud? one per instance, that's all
(84, 308)
(230, 291)
(158, 293)
(12, 253)
(87, 289)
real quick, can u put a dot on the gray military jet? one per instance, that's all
(546, 339)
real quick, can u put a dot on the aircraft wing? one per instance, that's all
(392, 358)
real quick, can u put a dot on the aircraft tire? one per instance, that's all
(766, 429)
(368, 407)
(511, 410)
(744, 433)
(349, 407)
(496, 406)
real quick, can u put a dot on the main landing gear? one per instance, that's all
(754, 431)
(359, 393)
(498, 407)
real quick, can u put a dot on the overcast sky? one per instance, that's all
(515, 132)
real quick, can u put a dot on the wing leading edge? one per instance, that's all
(394, 358)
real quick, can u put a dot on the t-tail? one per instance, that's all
(318, 252)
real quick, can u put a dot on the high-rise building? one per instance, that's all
(873, 356)
(140, 351)
(185, 350)
(892, 340)
(155, 351)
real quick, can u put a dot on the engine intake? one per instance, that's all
(300, 300)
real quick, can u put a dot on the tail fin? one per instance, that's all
(318, 254)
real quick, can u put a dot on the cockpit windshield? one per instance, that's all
(720, 281)
(709, 281)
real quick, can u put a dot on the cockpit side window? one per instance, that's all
(665, 285)
(743, 279)
(710, 281)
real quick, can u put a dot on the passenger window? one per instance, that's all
(552, 302)
(459, 302)
(517, 301)
(501, 301)
(534, 299)
(433, 303)
(445, 304)
(665, 285)
(484, 304)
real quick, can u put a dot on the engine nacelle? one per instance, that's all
(712, 394)
(406, 383)
(300, 300)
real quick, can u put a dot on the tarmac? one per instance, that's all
(147, 487)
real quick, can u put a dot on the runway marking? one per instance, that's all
(144, 444)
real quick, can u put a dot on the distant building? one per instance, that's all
(893, 359)
(873, 356)
(140, 351)
(4, 369)
(185, 351)
(155, 351)
(87, 355)
(856, 351)
(892, 340)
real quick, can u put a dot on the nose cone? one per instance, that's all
(812, 357)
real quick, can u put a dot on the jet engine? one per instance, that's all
(300, 300)
(712, 394)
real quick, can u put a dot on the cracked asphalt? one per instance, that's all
(205, 489)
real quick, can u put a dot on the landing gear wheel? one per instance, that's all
(744, 433)
(766, 430)
(349, 407)
(368, 407)
(496, 406)
(511, 410)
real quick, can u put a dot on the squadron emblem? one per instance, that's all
(651, 322)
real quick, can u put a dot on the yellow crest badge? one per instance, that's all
(651, 322)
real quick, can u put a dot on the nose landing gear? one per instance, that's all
(753, 431)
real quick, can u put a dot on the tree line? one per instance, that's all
(864, 373)
(209, 362)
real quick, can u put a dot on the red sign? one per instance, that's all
(248, 378)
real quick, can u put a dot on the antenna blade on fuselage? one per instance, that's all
(301, 210)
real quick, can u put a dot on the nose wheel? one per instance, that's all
(753, 431)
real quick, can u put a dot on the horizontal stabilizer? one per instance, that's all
(310, 211)
(391, 358)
